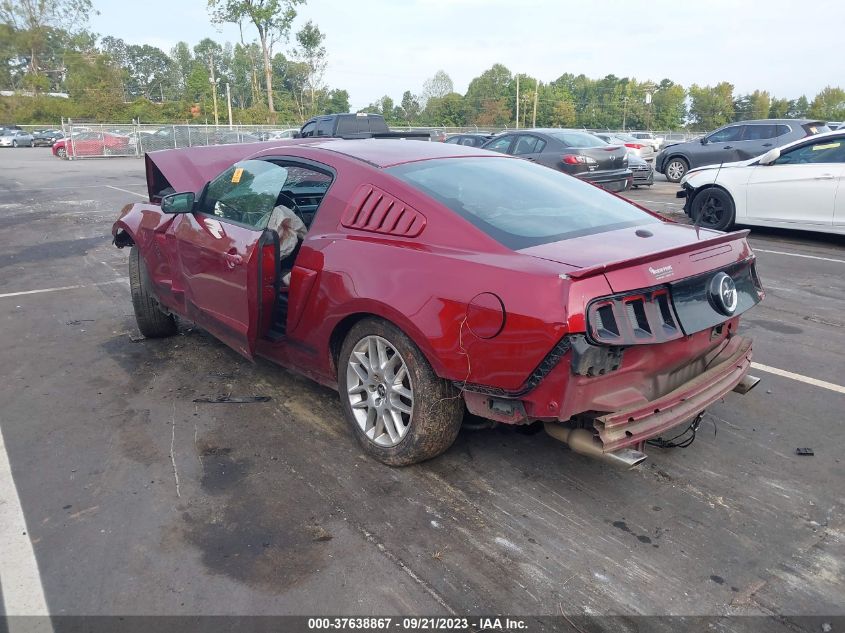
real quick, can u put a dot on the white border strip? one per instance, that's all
(36, 292)
(824, 259)
(805, 379)
(19, 577)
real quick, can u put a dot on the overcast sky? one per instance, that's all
(378, 47)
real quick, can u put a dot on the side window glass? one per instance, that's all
(732, 133)
(308, 129)
(246, 193)
(455, 140)
(759, 132)
(827, 151)
(500, 145)
(324, 127)
(525, 145)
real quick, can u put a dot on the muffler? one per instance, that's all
(746, 384)
(581, 441)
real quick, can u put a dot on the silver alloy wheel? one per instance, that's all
(675, 170)
(380, 391)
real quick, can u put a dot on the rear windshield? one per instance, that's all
(578, 139)
(518, 203)
(816, 128)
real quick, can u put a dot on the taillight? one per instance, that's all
(647, 316)
(634, 145)
(577, 159)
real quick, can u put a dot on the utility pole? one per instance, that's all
(517, 102)
(229, 104)
(534, 114)
(213, 80)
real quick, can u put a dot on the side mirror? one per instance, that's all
(769, 157)
(703, 140)
(296, 135)
(178, 203)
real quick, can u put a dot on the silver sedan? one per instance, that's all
(15, 138)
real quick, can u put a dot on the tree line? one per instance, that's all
(275, 75)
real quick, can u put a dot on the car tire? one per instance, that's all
(14, 143)
(675, 169)
(61, 153)
(152, 322)
(372, 399)
(713, 208)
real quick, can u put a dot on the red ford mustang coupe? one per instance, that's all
(422, 280)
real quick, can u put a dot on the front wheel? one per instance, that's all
(400, 411)
(14, 143)
(152, 322)
(675, 169)
(713, 208)
(61, 152)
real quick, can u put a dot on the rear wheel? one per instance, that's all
(152, 322)
(675, 169)
(400, 411)
(713, 208)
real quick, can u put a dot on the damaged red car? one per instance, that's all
(422, 280)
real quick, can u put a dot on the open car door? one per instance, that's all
(220, 248)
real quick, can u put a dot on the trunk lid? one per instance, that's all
(645, 256)
(607, 157)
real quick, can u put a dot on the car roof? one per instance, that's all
(390, 152)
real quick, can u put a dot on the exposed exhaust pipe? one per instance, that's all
(746, 384)
(581, 441)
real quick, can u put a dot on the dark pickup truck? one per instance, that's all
(361, 125)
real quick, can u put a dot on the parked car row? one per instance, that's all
(733, 142)
(798, 185)
(615, 162)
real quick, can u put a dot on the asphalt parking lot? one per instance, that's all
(139, 501)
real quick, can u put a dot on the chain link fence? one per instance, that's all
(99, 140)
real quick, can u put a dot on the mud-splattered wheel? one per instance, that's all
(152, 322)
(399, 409)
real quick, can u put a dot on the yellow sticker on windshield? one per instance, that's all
(816, 148)
(236, 177)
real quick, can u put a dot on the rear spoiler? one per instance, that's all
(684, 248)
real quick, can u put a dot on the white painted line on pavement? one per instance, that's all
(824, 259)
(674, 204)
(140, 184)
(134, 193)
(19, 577)
(805, 379)
(122, 280)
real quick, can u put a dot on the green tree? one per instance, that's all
(337, 102)
(779, 108)
(312, 53)
(437, 86)
(668, 106)
(490, 87)
(799, 108)
(449, 110)
(829, 105)
(410, 106)
(271, 18)
(34, 21)
(149, 71)
(711, 107)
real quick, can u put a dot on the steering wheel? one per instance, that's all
(292, 206)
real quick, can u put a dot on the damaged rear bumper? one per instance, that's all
(634, 425)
